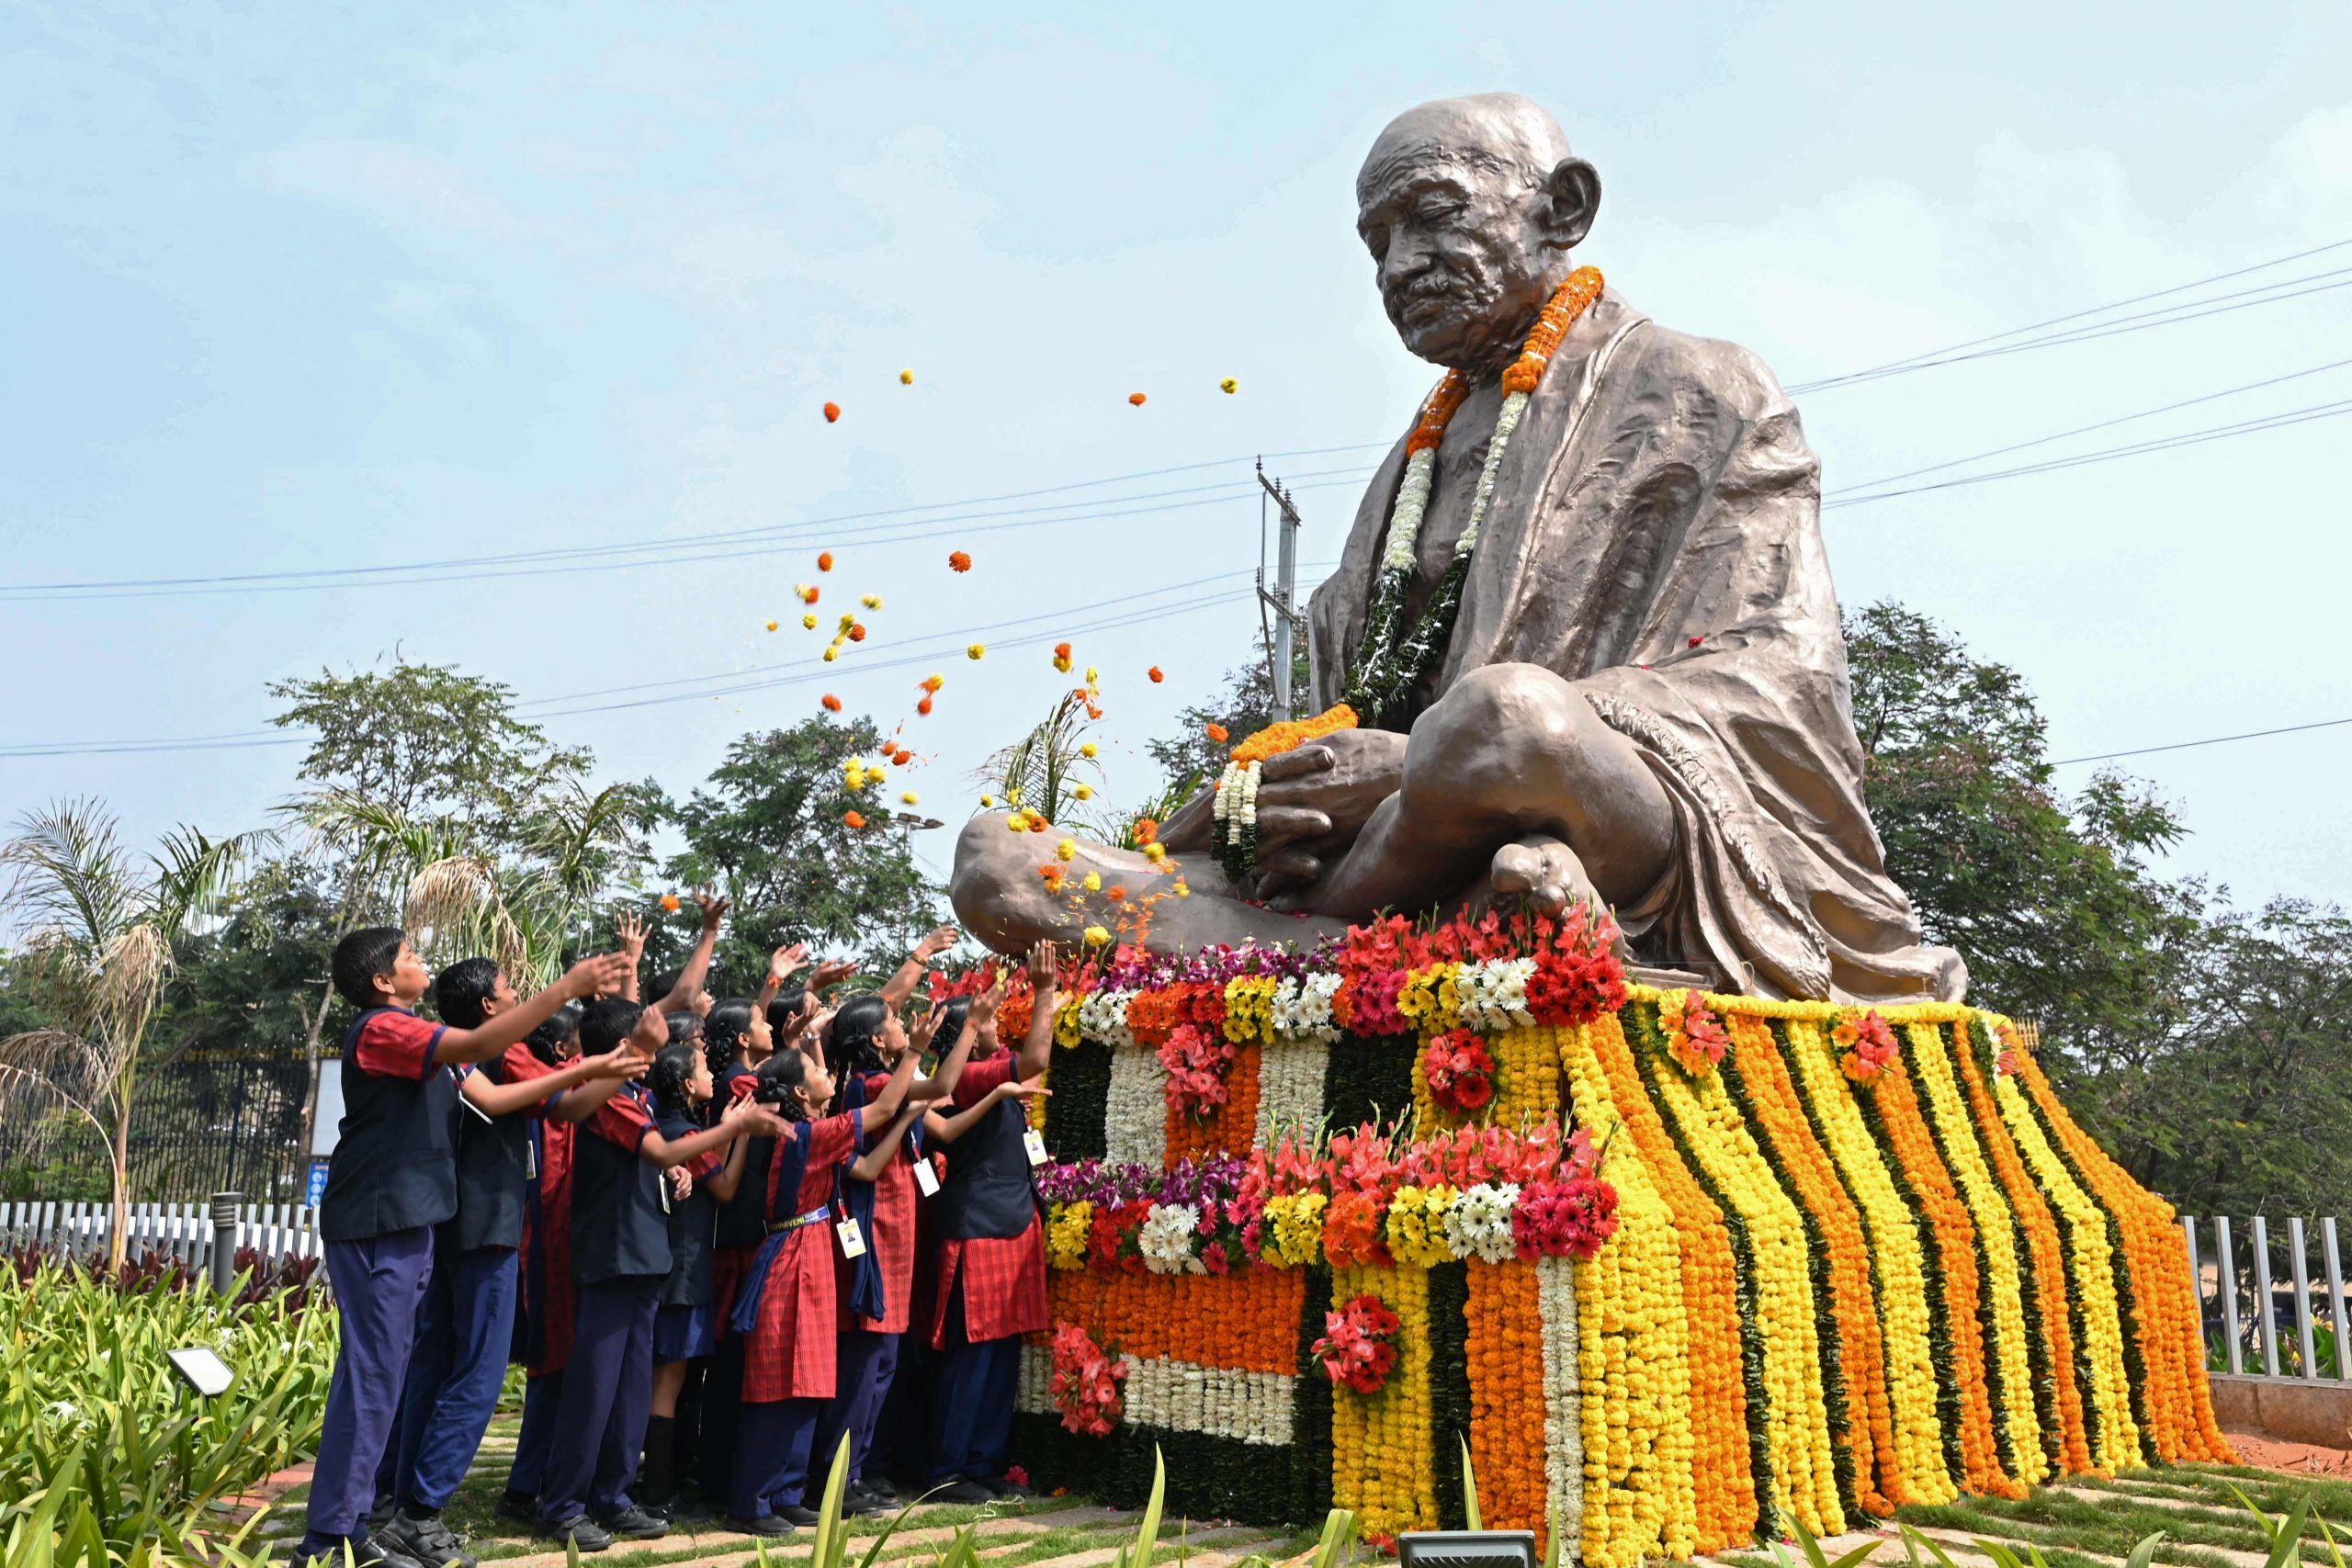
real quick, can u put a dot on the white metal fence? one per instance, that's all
(182, 1230)
(2272, 1305)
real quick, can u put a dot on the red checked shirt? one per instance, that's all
(791, 1351)
(1003, 1277)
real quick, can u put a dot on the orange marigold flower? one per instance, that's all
(1136, 398)
(933, 683)
(923, 707)
(669, 903)
(1116, 893)
(1156, 674)
(958, 561)
(808, 593)
(853, 820)
(1050, 871)
(856, 633)
(1061, 651)
(1036, 823)
(1219, 734)
(832, 412)
(824, 560)
(1147, 830)
(832, 703)
(903, 756)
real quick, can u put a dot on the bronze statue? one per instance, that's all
(1633, 686)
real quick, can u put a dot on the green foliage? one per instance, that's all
(103, 1457)
(767, 831)
(242, 986)
(1044, 770)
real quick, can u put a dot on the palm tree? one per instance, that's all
(1041, 772)
(99, 930)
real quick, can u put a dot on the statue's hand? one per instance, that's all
(1322, 793)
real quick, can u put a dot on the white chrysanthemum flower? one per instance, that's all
(1477, 1223)
(1166, 1239)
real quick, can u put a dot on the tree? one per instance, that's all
(2050, 900)
(99, 935)
(768, 830)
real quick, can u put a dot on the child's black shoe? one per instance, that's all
(523, 1508)
(579, 1531)
(634, 1523)
(425, 1538)
(766, 1524)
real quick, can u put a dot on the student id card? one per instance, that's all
(853, 1239)
(1034, 1142)
(926, 1178)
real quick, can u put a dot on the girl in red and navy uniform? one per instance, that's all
(863, 1044)
(544, 1341)
(736, 1040)
(787, 1312)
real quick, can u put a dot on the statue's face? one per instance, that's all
(1459, 245)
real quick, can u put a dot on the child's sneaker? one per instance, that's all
(425, 1538)
(579, 1531)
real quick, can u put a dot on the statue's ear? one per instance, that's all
(1572, 193)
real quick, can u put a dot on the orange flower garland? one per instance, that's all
(1247, 1320)
(1727, 1492)
(1234, 1124)
(1570, 302)
(1870, 1429)
(1507, 1396)
(1293, 733)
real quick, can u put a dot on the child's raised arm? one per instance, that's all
(948, 1129)
(1044, 984)
(584, 980)
(902, 984)
(608, 1070)
(697, 968)
(879, 1112)
(869, 1166)
(979, 1018)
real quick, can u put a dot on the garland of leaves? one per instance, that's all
(1078, 1114)
(1450, 1393)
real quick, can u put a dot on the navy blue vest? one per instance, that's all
(989, 1189)
(692, 1224)
(394, 1167)
(742, 1220)
(493, 1172)
(618, 1230)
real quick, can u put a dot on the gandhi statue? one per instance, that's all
(1642, 697)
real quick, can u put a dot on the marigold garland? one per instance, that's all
(1381, 1443)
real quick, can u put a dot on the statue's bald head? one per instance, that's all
(1469, 206)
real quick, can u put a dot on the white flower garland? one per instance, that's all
(1235, 801)
(1555, 1300)
(1477, 1223)
(1290, 1088)
(1166, 1239)
(1412, 505)
(1225, 1401)
(1135, 1110)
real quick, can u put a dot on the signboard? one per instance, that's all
(318, 1188)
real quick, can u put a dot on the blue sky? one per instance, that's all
(295, 287)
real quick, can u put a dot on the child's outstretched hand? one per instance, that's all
(629, 931)
(925, 1031)
(592, 977)
(786, 962)
(832, 972)
(936, 943)
(619, 1062)
(985, 1005)
(1044, 967)
(1021, 1089)
(713, 906)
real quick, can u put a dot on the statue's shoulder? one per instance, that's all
(1722, 372)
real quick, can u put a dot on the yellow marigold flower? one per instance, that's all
(771, 625)
(833, 653)
(1066, 849)
(1092, 677)
(853, 775)
(808, 623)
(1012, 795)
(1087, 749)
(876, 772)
(1094, 882)
(908, 796)
(1084, 791)
(975, 650)
(1095, 935)
(1183, 891)
(906, 377)
(872, 601)
(986, 800)
(1018, 821)
(1228, 385)
(1155, 852)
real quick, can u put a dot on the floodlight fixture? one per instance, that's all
(1466, 1549)
(202, 1370)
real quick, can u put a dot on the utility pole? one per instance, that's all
(1288, 624)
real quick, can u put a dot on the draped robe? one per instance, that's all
(1655, 539)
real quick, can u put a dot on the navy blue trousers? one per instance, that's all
(971, 1410)
(772, 1444)
(456, 1371)
(863, 1369)
(377, 1283)
(607, 1394)
(536, 1437)
(721, 1412)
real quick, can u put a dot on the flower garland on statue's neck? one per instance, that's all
(1391, 662)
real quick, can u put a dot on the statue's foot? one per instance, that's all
(1541, 870)
(1002, 895)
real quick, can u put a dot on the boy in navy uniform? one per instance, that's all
(467, 1326)
(620, 1254)
(394, 1178)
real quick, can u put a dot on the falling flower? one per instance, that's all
(1018, 822)
(771, 625)
(853, 820)
(1095, 935)
(932, 682)
(1694, 642)
(1147, 829)
(1093, 676)
(1156, 674)
(1116, 894)
(1094, 882)
(1066, 849)
(669, 903)
(906, 377)
(1053, 876)
(908, 798)
(923, 707)
(1218, 733)
(1061, 657)
(808, 593)
(872, 601)
(1084, 791)
(877, 771)
(1086, 749)
(1228, 386)
(856, 632)
(958, 561)
(1136, 398)
(808, 623)
(833, 704)
(833, 652)
(832, 412)
(1155, 853)
(824, 560)
(901, 756)
(987, 801)
(975, 650)
(853, 774)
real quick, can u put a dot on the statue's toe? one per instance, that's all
(1540, 869)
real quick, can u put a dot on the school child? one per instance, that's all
(466, 1325)
(394, 1178)
(991, 1282)
(620, 1252)
(736, 1039)
(787, 1311)
(683, 1325)
(544, 1341)
(879, 1191)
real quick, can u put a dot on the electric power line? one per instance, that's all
(2209, 741)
